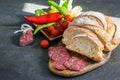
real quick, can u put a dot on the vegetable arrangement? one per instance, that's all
(56, 19)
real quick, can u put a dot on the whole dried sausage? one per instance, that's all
(26, 38)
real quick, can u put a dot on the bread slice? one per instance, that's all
(116, 39)
(103, 36)
(112, 28)
(73, 31)
(86, 45)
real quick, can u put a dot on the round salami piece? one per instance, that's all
(56, 53)
(70, 62)
(51, 51)
(55, 57)
(59, 66)
(78, 64)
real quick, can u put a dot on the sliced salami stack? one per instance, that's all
(63, 60)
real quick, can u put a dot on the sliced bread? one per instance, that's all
(86, 45)
(71, 32)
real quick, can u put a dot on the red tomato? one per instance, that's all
(55, 32)
(64, 23)
(50, 28)
(61, 29)
(68, 18)
(44, 43)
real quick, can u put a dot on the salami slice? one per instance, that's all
(56, 53)
(59, 55)
(51, 51)
(56, 57)
(78, 65)
(63, 59)
(54, 50)
(70, 62)
(59, 66)
(59, 63)
(83, 63)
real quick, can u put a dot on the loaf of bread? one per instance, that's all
(90, 34)
(87, 43)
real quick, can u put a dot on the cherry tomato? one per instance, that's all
(55, 32)
(56, 26)
(50, 28)
(64, 23)
(68, 18)
(44, 43)
(60, 29)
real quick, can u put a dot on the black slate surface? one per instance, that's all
(30, 62)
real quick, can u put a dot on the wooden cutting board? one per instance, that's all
(92, 65)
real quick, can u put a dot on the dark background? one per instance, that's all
(31, 62)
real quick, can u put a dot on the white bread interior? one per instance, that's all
(73, 31)
(86, 45)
